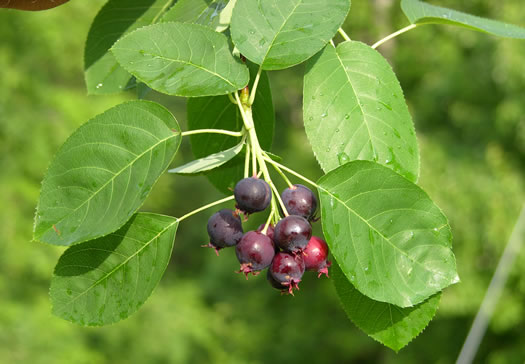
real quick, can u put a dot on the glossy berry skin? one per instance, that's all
(252, 194)
(287, 269)
(300, 200)
(225, 229)
(315, 256)
(292, 233)
(255, 252)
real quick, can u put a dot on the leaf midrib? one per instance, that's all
(357, 99)
(183, 62)
(111, 180)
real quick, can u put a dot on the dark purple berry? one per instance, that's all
(255, 252)
(269, 231)
(300, 200)
(287, 270)
(292, 233)
(224, 229)
(252, 194)
(315, 256)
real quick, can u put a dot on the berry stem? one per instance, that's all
(265, 229)
(278, 197)
(232, 99)
(218, 202)
(275, 210)
(254, 161)
(214, 131)
(291, 171)
(247, 161)
(280, 172)
(343, 34)
(393, 35)
(254, 87)
(257, 152)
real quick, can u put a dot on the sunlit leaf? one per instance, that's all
(215, 14)
(105, 280)
(102, 72)
(282, 33)
(181, 59)
(390, 240)
(419, 12)
(391, 325)
(354, 109)
(104, 172)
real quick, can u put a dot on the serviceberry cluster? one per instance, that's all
(287, 250)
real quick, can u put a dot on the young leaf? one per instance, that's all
(181, 59)
(215, 14)
(105, 280)
(391, 325)
(210, 162)
(419, 12)
(220, 112)
(102, 72)
(391, 241)
(104, 172)
(354, 109)
(282, 33)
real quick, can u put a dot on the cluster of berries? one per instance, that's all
(287, 250)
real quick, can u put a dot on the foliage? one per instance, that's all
(369, 213)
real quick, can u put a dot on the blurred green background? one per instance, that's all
(466, 92)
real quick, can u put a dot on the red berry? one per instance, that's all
(315, 256)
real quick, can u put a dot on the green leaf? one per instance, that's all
(105, 280)
(102, 72)
(354, 109)
(103, 173)
(282, 33)
(181, 59)
(391, 325)
(391, 241)
(219, 112)
(215, 14)
(419, 12)
(209, 162)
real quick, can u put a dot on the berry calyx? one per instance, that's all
(292, 233)
(299, 200)
(315, 255)
(252, 195)
(225, 229)
(255, 252)
(287, 270)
